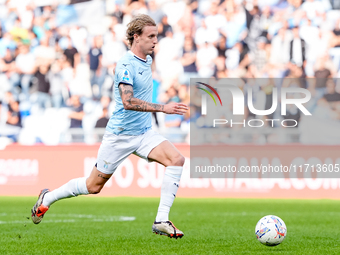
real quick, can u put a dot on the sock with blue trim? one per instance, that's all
(169, 189)
(73, 188)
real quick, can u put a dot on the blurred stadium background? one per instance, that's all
(57, 58)
(57, 61)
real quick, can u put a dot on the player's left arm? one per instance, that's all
(135, 104)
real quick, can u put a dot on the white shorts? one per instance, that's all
(115, 148)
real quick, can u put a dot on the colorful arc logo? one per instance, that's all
(218, 96)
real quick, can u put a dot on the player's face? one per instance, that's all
(148, 39)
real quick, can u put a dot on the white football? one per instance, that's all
(270, 230)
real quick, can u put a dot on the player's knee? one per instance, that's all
(95, 189)
(178, 160)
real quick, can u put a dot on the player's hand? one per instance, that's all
(175, 108)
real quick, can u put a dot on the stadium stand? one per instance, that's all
(53, 53)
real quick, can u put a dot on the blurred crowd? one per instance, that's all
(59, 75)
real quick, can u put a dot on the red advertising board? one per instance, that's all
(25, 170)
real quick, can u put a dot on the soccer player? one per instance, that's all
(129, 131)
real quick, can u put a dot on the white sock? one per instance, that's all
(169, 189)
(73, 188)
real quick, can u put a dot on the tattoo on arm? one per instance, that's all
(100, 175)
(135, 104)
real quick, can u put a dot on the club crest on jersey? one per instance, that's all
(126, 76)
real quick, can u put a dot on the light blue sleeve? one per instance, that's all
(125, 75)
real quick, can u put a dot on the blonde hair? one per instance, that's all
(137, 25)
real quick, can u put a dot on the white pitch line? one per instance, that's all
(108, 219)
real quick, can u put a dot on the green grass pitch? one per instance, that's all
(104, 225)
